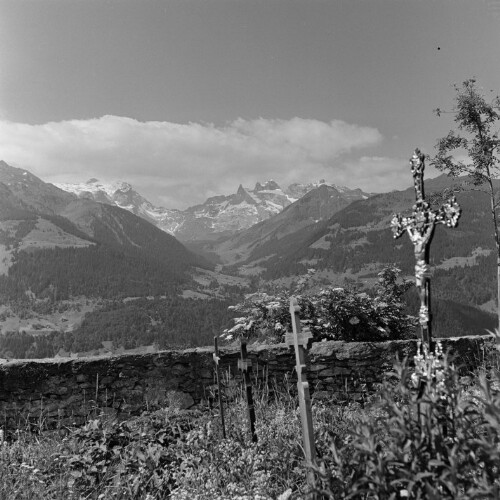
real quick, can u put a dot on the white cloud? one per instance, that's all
(181, 164)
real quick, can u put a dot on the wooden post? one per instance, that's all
(299, 340)
(244, 365)
(420, 228)
(219, 391)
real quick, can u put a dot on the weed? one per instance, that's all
(404, 442)
(433, 438)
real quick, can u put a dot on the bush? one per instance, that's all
(332, 313)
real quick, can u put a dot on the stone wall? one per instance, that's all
(56, 392)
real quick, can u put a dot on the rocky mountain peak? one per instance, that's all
(124, 187)
(269, 185)
(218, 215)
(243, 195)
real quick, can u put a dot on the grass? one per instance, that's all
(445, 444)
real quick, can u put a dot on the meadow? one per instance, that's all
(401, 442)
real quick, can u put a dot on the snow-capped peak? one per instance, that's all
(95, 186)
(217, 215)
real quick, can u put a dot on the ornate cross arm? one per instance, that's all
(449, 213)
(420, 225)
(399, 225)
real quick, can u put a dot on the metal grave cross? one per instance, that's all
(420, 228)
(299, 340)
(219, 392)
(244, 365)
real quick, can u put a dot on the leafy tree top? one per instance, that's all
(476, 117)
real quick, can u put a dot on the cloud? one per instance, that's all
(182, 164)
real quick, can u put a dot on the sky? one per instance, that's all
(187, 99)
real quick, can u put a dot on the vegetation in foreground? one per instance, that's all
(332, 313)
(442, 445)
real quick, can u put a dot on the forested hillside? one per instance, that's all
(360, 234)
(96, 271)
(170, 322)
(452, 318)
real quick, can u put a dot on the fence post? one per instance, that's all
(219, 392)
(299, 340)
(244, 365)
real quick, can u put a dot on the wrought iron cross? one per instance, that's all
(420, 228)
(299, 340)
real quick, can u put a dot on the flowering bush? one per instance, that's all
(332, 313)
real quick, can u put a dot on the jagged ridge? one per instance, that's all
(218, 216)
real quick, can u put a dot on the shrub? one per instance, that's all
(332, 313)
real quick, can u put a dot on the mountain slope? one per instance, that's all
(57, 247)
(31, 192)
(258, 241)
(124, 231)
(28, 197)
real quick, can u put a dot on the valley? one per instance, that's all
(71, 261)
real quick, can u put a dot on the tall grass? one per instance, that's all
(442, 442)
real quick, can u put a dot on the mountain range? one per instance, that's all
(316, 205)
(98, 246)
(359, 236)
(35, 214)
(218, 216)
